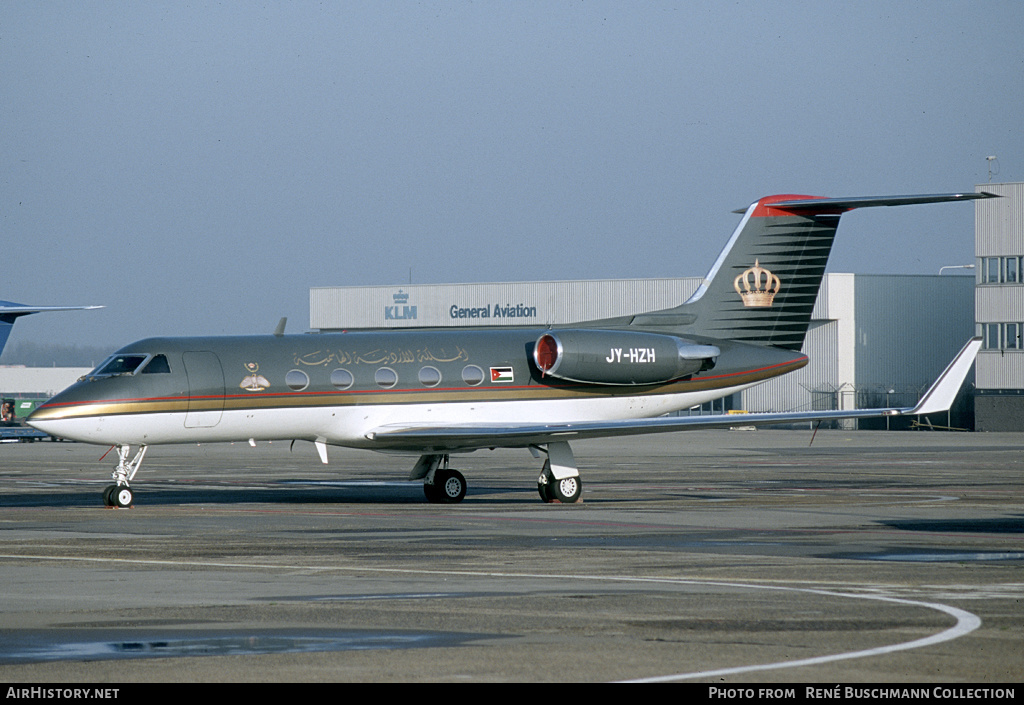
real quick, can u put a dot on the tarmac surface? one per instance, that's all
(716, 557)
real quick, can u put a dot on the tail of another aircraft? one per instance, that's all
(763, 286)
(10, 312)
(6, 324)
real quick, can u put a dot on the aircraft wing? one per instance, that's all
(455, 437)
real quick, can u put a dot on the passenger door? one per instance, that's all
(205, 389)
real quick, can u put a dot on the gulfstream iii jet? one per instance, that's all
(433, 393)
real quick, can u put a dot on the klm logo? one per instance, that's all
(401, 311)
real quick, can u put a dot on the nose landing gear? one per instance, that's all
(120, 494)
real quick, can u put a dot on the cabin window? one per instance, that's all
(430, 376)
(297, 380)
(342, 379)
(386, 377)
(472, 375)
(157, 365)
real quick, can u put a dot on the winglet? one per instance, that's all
(943, 392)
(279, 331)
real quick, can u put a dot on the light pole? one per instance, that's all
(956, 266)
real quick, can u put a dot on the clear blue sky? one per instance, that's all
(197, 167)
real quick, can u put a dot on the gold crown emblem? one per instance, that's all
(757, 286)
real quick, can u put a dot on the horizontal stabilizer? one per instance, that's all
(14, 310)
(845, 204)
(10, 312)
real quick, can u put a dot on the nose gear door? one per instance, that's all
(205, 389)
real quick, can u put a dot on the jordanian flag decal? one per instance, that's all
(501, 374)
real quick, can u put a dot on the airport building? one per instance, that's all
(999, 308)
(864, 350)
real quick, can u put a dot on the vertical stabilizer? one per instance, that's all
(763, 286)
(6, 324)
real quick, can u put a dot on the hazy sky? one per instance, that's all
(197, 167)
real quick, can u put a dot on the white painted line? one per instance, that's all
(966, 622)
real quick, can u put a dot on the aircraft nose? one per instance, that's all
(39, 420)
(57, 417)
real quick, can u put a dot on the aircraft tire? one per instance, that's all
(544, 490)
(108, 492)
(122, 496)
(431, 492)
(567, 490)
(450, 486)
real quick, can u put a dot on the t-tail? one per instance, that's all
(763, 285)
(10, 312)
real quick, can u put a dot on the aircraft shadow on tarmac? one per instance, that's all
(296, 491)
(999, 525)
(312, 492)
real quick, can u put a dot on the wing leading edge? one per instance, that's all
(421, 437)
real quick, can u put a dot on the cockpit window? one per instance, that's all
(119, 365)
(158, 364)
(131, 363)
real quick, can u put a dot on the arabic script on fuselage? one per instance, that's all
(381, 356)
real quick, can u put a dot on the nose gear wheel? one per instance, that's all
(120, 494)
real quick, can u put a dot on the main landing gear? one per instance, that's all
(120, 494)
(441, 484)
(565, 491)
(559, 479)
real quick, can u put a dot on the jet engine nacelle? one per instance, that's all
(620, 357)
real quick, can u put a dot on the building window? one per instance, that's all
(991, 336)
(990, 270)
(1011, 336)
(1001, 270)
(1003, 336)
